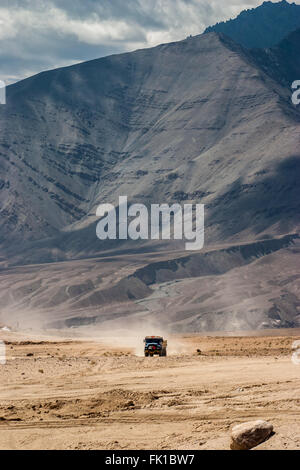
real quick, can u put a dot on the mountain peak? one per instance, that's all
(261, 27)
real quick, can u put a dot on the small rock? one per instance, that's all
(129, 404)
(245, 436)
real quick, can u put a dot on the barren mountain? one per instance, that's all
(195, 120)
(200, 120)
(242, 287)
(264, 26)
(282, 62)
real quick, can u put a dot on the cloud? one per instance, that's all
(37, 35)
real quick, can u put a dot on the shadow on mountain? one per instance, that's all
(273, 200)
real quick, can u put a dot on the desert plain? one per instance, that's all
(78, 390)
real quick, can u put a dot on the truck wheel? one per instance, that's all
(146, 354)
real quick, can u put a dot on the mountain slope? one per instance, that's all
(261, 27)
(201, 120)
(250, 286)
(197, 120)
(281, 62)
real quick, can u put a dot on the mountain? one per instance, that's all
(195, 120)
(261, 27)
(241, 287)
(200, 120)
(281, 62)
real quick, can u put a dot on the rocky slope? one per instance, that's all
(281, 62)
(201, 120)
(264, 26)
(198, 120)
(248, 286)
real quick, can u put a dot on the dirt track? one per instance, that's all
(63, 394)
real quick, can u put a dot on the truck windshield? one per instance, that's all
(153, 340)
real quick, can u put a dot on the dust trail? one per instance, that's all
(125, 332)
(117, 335)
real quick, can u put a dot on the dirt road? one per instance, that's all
(58, 393)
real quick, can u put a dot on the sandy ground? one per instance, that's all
(59, 393)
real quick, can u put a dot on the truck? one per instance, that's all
(155, 345)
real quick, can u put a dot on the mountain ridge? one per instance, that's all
(202, 120)
(261, 27)
(72, 155)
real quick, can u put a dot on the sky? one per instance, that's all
(37, 35)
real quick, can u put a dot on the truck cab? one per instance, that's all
(155, 345)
